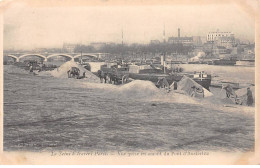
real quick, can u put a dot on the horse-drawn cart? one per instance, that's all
(113, 74)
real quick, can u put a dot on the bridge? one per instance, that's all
(45, 57)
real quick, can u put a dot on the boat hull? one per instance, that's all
(224, 62)
(205, 82)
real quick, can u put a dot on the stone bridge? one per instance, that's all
(17, 56)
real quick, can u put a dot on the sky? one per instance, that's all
(36, 27)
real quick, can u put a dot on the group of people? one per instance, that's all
(230, 93)
(198, 92)
(74, 72)
(163, 83)
(36, 66)
(177, 69)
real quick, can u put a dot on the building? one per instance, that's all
(181, 40)
(227, 42)
(213, 36)
(69, 47)
(222, 39)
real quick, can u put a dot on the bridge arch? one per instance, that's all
(64, 55)
(13, 56)
(91, 55)
(27, 55)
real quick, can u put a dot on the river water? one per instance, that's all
(43, 113)
(236, 74)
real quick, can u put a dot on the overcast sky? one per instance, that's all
(27, 28)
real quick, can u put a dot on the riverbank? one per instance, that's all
(71, 114)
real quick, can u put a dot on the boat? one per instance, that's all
(245, 62)
(194, 62)
(220, 84)
(223, 62)
(153, 73)
(201, 78)
(198, 62)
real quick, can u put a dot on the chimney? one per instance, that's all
(179, 33)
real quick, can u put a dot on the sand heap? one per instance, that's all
(61, 72)
(186, 85)
(138, 88)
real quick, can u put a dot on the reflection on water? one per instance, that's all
(46, 113)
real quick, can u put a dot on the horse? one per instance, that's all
(73, 72)
(113, 78)
(102, 76)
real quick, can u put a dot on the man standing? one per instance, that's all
(31, 67)
(249, 97)
(175, 85)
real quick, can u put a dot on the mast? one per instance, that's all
(144, 51)
(81, 51)
(122, 44)
(81, 56)
(164, 43)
